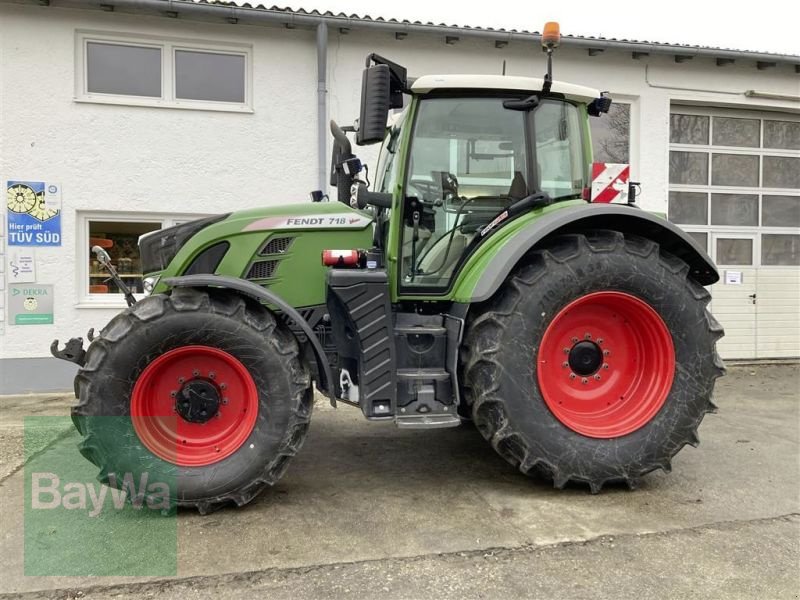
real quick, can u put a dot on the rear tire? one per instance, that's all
(228, 348)
(607, 422)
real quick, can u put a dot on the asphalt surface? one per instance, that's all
(367, 510)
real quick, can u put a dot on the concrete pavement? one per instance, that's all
(714, 561)
(369, 510)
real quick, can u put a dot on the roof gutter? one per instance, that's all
(262, 16)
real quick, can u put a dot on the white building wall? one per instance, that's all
(165, 160)
(130, 159)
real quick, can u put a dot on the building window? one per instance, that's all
(690, 168)
(734, 184)
(688, 208)
(120, 240)
(611, 135)
(734, 251)
(123, 69)
(782, 135)
(780, 249)
(118, 234)
(782, 172)
(688, 129)
(734, 209)
(744, 133)
(781, 211)
(736, 170)
(209, 76)
(134, 70)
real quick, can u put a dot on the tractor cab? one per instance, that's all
(465, 156)
(469, 158)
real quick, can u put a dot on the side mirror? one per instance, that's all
(375, 103)
(600, 105)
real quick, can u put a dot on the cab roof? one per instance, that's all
(428, 83)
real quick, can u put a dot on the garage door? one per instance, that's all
(735, 186)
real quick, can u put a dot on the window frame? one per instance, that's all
(755, 250)
(168, 47)
(83, 252)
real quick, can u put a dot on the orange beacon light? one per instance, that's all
(551, 36)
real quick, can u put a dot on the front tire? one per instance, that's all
(200, 388)
(595, 362)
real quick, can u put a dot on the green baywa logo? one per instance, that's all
(47, 493)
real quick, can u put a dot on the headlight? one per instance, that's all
(149, 284)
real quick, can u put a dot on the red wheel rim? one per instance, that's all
(164, 390)
(606, 364)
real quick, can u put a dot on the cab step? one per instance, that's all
(432, 330)
(423, 374)
(429, 421)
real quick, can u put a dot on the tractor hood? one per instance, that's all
(278, 246)
(158, 248)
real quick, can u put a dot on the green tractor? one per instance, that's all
(470, 281)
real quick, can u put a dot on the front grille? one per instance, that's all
(263, 269)
(276, 246)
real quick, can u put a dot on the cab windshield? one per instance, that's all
(470, 158)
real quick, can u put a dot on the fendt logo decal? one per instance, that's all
(334, 221)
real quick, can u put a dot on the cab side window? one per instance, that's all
(559, 152)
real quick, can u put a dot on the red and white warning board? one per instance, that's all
(610, 182)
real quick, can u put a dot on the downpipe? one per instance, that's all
(322, 104)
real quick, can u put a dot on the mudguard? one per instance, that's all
(576, 218)
(264, 295)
